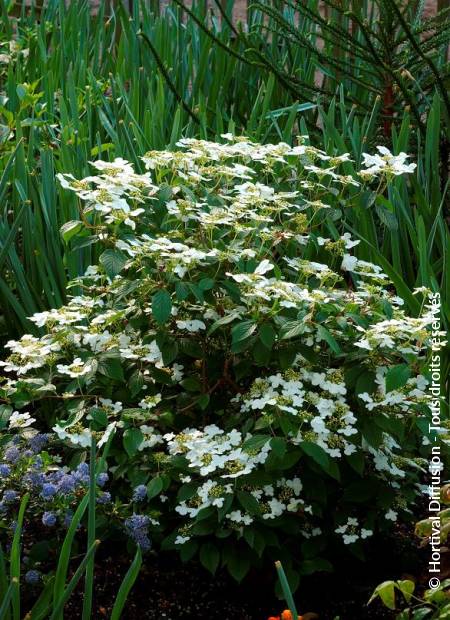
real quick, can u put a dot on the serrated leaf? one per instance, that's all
(389, 219)
(111, 367)
(113, 261)
(256, 442)
(279, 446)
(406, 587)
(161, 306)
(238, 566)
(224, 320)
(317, 453)
(248, 502)
(188, 550)
(309, 567)
(206, 284)
(242, 331)
(291, 329)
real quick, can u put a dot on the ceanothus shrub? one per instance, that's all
(258, 385)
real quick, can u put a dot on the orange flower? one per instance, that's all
(286, 615)
(274, 618)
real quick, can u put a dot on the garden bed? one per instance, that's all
(224, 303)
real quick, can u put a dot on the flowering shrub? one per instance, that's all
(259, 378)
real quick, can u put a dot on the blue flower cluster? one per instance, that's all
(137, 528)
(32, 577)
(140, 493)
(25, 468)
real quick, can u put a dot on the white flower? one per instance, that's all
(386, 163)
(191, 326)
(20, 420)
(238, 517)
(76, 369)
(263, 267)
(149, 402)
(83, 438)
(112, 408)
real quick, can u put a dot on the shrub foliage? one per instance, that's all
(263, 383)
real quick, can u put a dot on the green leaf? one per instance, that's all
(397, 377)
(386, 592)
(188, 550)
(329, 339)
(256, 442)
(406, 587)
(248, 502)
(135, 383)
(242, 331)
(357, 462)
(267, 335)
(161, 306)
(169, 351)
(373, 434)
(317, 453)
(210, 557)
(292, 329)
(5, 413)
(321, 457)
(224, 320)
(126, 586)
(154, 487)
(238, 566)
(365, 383)
(70, 229)
(206, 284)
(132, 439)
(113, 261)
(309, 567)
(279, 446)
(111, 366)
(287, 357)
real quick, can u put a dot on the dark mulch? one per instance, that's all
(168, 590)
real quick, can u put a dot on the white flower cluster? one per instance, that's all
(316, 399)
(404, 334)
(210, 493)
(283, 496)
(351, 531)
(29, 353)
(386, 163)
(396, 401)
(212, 450)
(273, 501)
(220, 274)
